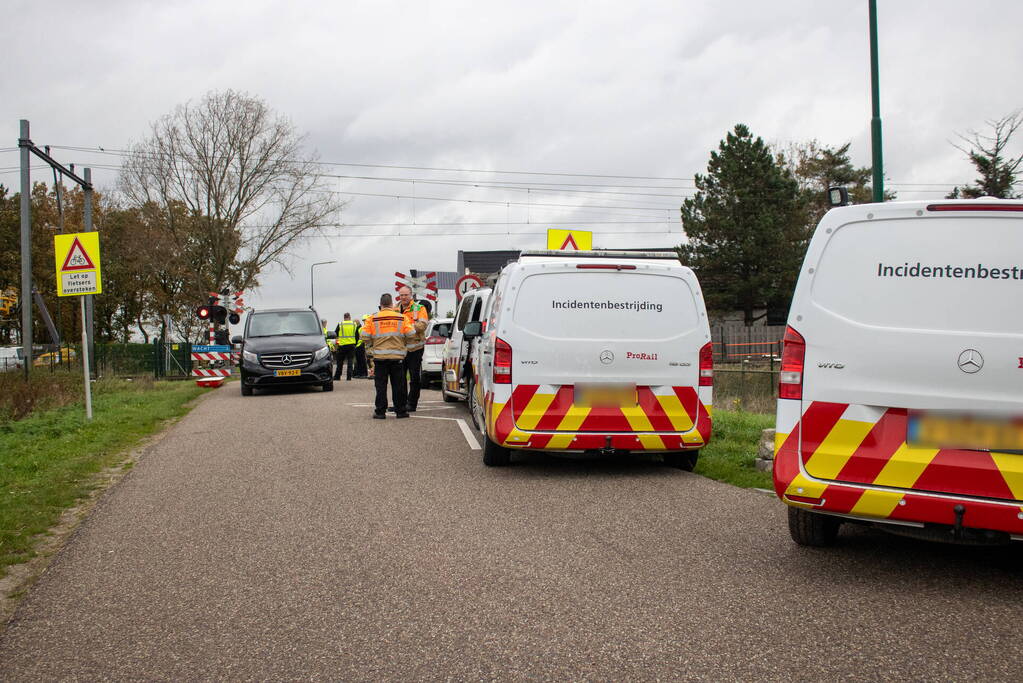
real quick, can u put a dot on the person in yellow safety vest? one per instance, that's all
(367, 353)
(330, 342)
(418, 317)
(347, 336)
(387, 334)
(360, 350)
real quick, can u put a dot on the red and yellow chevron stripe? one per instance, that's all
(546, 417)
(855, 460)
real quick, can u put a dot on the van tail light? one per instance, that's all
(790, 379)
(605, 266)
(502, 362)
(436, 339)
(707, 365)
(975, 206)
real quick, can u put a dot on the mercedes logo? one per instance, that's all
(286, 360)
(970, 361)
(606, 357)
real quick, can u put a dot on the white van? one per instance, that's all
(458, 349)
(901, 384)
(600, 352)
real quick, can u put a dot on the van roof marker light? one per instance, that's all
(976, 207)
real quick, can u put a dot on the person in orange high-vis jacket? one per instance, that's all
(387, 335)
(418, 317)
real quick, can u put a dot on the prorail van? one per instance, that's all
(598, 352)
(901, 387)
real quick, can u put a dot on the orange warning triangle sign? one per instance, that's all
(569, 240)
(77, 258)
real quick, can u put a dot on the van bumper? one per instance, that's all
(900, 508)
(590, 441)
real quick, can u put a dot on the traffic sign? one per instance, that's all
(76, 257)
(569, 240)
(465, 284)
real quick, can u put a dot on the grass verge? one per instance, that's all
(733, 446)
(50, 459)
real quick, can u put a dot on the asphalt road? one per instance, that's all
(290, 536)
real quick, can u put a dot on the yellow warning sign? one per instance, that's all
(569, 240)
(78, 266)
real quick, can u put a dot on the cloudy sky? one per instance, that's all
(618, 102)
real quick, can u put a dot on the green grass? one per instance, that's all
(733, 446)
(49, 460)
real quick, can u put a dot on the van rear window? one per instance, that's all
(943, 274)
(605, 305)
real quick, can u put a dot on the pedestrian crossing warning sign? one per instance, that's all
(78, 266)
(569, 240)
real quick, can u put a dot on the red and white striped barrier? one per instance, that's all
(213, 355)
(211, 372)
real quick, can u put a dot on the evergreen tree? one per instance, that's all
(746, 227)
(997, 172)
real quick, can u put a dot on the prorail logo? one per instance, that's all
(640, 356)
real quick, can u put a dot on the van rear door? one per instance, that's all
(913, 324)
(605, 345)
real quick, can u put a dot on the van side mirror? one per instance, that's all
(332, 335)
(472, 329)
(236, 339)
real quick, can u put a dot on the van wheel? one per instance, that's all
(494, 455)
(473, 405)
(246, 389)
(812, 528)
(683, 461)
(328, 385)
(448, 398)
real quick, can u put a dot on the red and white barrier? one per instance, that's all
(211, 372)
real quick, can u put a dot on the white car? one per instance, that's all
(11, 358)
(457, 349)
(900, 399)
(437, 332)
(600, 352)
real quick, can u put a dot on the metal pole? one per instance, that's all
(85, 366)
(26, 248)
(318, 263)
(875, 122)
(89, 301)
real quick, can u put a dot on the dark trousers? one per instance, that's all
(393, 371)
(360, 362)
(346, 352)
(414, 368)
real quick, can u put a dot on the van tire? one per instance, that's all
(685, 460)
(812, 528)
(448, 398)
(328, 385)
(246, 389)
(471, 404)
(494, 455)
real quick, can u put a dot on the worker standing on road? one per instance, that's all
(367, 352)
(360, 349)
(417, 317)
(388, 334)
(347, 337)
(330, 342)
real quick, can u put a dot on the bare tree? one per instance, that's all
(232, 187)
(987, 153)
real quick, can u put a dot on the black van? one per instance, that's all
(285, 346)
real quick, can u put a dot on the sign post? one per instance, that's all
(465, 284)
(78, 274)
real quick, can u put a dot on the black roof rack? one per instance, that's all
(666, 254)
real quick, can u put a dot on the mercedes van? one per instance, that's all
(901, 385)
(601, 352)
(457, 353)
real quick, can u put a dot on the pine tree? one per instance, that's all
(746, 228)
(987, 153)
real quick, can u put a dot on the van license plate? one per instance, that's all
(287, 373)
(605, 395)
(944, 430)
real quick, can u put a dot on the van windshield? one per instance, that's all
(948, 274)
(283, 323)
(606, 305)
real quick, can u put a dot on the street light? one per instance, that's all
(320, 263)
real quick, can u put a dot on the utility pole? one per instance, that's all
(24, 142)
(877, 164)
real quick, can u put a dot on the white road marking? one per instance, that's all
(470, 439)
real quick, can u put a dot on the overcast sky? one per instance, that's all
(643, 89)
